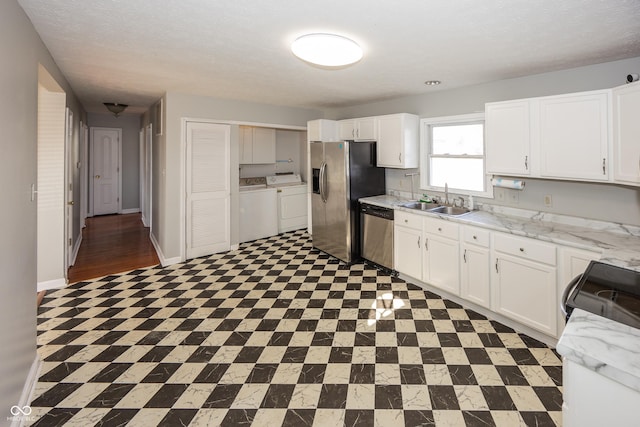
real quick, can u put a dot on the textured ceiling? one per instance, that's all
(132, 51)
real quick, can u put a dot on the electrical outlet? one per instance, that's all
(513, 197)
(498, 193)
(548, 201)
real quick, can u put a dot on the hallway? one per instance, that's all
(112, 244)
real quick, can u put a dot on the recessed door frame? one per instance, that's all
(91, 169)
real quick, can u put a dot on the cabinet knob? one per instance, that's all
(439, 228)
(521, 249)
(475, 237)
(406, 220)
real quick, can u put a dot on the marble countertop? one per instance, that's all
(604, 346)
(619, 244)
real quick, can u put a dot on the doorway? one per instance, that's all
(105, 181)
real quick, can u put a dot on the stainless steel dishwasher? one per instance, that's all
(376, 236)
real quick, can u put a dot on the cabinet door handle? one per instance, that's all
(497, 266)
(358, 133)
(418, 242)
(526, 162)
(400, 157)
(426, 244)
(604, 166)
(464, 256)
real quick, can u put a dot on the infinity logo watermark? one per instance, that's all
(21, 413)
(16, 410)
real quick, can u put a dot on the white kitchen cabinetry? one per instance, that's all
(322, 130)
(441, 259)
(524, 280)
(626, 134)
(407, 244)
(574, 136)
(257, 145)
(508, 138)
(593, 400)
(397, 137)
(475, 284)
(363, 129)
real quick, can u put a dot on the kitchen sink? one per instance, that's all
(421, 206)
(436, 208)
(450, 210)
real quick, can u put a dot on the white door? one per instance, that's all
(105, 151)
(208, 189)
(146, 139)
(84, 177)
(69, 166)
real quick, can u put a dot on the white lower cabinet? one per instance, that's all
(524, 281)
(593, 400)
(475, 276)
(407, 244)
(441, 259)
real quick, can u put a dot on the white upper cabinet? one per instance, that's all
(508, 138)
(626, 134)
(363, 129)
(322, 130)
(257, 145)
(557, 137)
(397, 137)
(574, 136)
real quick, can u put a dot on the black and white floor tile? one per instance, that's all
(277, 333)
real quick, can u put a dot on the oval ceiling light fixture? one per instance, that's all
(432, 82)
(327, 50)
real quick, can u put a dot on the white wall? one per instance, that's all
(22, 51)
(605, 202)
(288, 147)
(130, 125)
(168, 169)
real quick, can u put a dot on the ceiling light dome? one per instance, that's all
(327, 50)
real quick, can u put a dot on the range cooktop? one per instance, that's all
(609, 291)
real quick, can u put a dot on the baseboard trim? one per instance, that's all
(27, 394)
(129, 211)
(234, 247)
(52, 284)
(163, 261)
(76, 248)
(144, 221)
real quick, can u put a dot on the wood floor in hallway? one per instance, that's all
(112, 244)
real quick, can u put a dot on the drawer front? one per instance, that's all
(406, 219)
(476, 236)
(441, 228)
(525, 248)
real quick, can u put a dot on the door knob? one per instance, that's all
(70, 202)
(97, 177)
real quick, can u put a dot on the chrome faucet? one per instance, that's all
(446, 194)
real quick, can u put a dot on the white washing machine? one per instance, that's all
(292, 201)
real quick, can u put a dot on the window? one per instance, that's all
(453, 154)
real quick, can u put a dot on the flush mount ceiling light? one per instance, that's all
(115, 108)
(327, 50)
(432, 82)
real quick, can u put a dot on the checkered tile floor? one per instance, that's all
(277, 333)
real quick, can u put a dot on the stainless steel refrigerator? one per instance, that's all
(342, 172)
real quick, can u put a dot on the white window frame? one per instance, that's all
(425, 152)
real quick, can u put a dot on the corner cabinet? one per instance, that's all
(508, 138)
(626, 134)
(397, 136)
(257, 145)
(525, 284)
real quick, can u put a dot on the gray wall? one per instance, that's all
(167, 154)
(130, 125)
(22, 50)
(606, 202)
